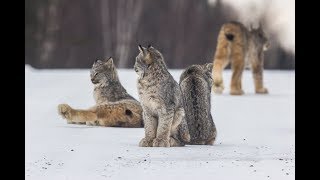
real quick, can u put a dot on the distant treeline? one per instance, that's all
(74, 33)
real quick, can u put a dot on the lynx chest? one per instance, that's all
(149, 97)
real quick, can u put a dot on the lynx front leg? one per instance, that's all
(237, 70)
(164, 129)
(74, 115)
(150, 128)
(257, 71)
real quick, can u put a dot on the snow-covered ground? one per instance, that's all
(256, 134)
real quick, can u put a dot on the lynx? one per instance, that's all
(161, 100)
(241, 47)
(195, 83)
(114, 106)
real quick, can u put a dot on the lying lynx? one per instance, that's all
(114, 106)
(161, 100)
(241, 47)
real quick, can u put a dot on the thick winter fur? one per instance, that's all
(114, 106)
(241, 47)
(161, 100)
(195, 84)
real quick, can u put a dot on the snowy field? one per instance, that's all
(256, 134)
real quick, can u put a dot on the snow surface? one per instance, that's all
(256, 134)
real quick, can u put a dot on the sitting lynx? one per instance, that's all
(238, 45)
(195, 84)
(161, 100)
(114, 106)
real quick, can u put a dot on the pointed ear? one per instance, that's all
(208, 66)
(109, 60)
(141, 48)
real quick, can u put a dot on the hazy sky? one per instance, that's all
(279, 16)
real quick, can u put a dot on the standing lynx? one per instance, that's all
(161, 100)
(238, 45)
(114, 106)
(195, 83)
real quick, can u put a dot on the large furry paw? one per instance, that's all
(145, 142)
(65, 111)
(175, 143)
(262, 91)
(91, 123)
(159, 142)
(236, 92)
(218, 89)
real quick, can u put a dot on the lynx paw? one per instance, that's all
(159, 142)
(262, 91)
(218, 89)
(175, 143)
(145, 143)
(237, 92)
(65, 111)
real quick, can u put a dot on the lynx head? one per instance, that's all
(103, 71)
(148, 57)
(260, 38)
(204, 71)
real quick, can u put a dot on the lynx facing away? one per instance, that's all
(195, 84)
(238, 45)
(161, 100)
(114, 106)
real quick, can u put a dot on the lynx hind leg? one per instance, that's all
(218, 66)
(257, 71)
(237, 65)
(66, 112)
(221, 60)
(183, 130)
(75, 116)
(175, 142)
(179, 129)
(212, 139)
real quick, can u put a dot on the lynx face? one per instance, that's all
(140, 65)
(103, 71)
(260, 38)
(146, 58)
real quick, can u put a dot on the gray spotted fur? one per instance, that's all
(161, 100)
(195, 83)
(107, 86)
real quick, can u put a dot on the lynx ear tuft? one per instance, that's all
(141, 48)
(208, 66)
(110, 60)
